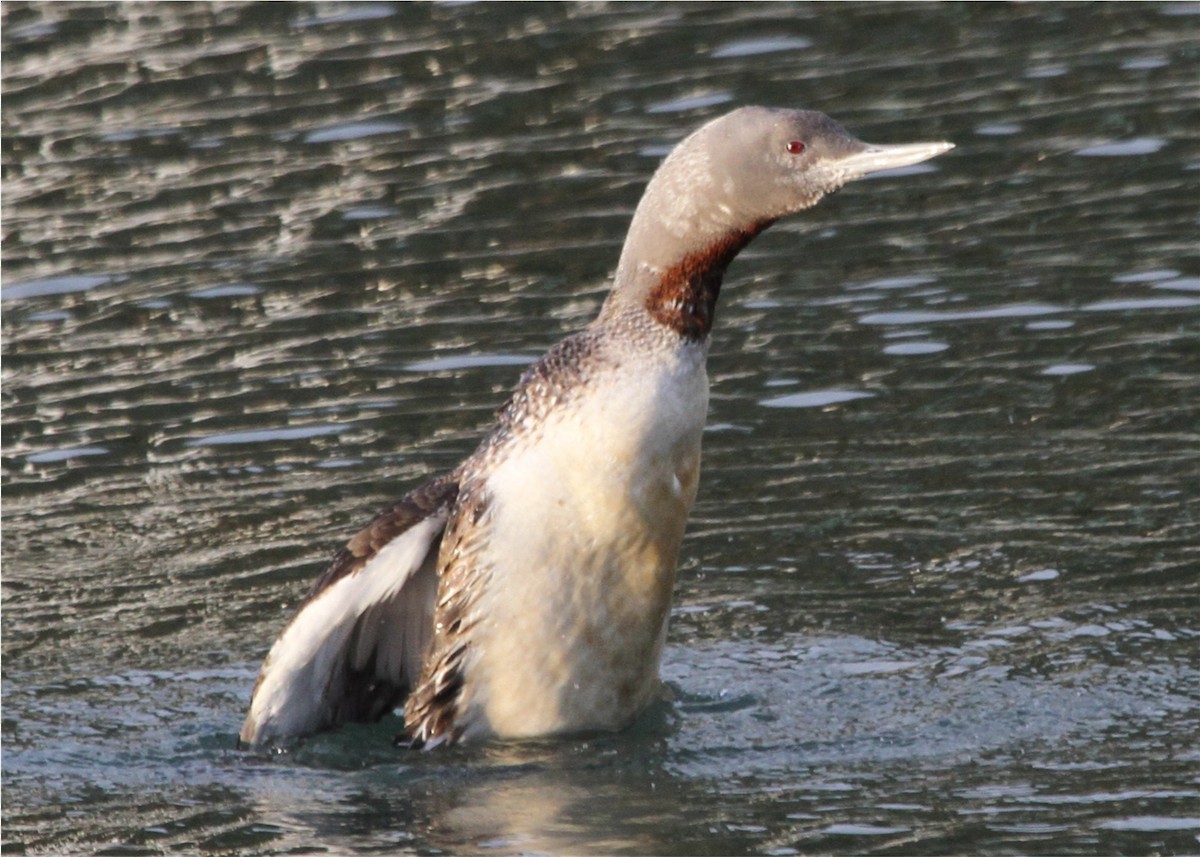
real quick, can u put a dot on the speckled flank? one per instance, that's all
(431, 714)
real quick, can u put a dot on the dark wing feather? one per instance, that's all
(354, 649)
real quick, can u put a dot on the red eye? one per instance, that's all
(795, 147)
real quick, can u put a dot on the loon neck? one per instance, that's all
(683, 297)
(693, 219)
(674, 275)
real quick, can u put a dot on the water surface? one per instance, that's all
(268, 266)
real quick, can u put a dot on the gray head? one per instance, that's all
(732, 178)
(765, 163)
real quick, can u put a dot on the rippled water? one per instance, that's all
(266, 266)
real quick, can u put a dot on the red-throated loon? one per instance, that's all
(526, 593)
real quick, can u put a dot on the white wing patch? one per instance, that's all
(384, 610)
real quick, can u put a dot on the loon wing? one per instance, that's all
(354, 649)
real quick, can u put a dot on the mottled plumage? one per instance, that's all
(527, 592)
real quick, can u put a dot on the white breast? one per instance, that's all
(585, 526)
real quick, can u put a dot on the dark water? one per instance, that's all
(266, 266)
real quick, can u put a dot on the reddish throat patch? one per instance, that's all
(685, 296)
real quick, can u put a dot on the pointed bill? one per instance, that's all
(876, 159)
